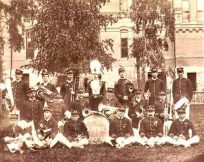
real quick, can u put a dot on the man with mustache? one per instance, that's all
(151, 129)
(153, 86)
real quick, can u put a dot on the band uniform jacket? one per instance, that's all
(96, 93)
(19, 93)
(181, 128)
(73, 129)
(154, 87)
(11, 131)
(32, 110)
(182, 87)
(151, 127)
(137, 106)
(65, 92)
(120, 127)
(159, 109)
(122, 88)
(50, 124)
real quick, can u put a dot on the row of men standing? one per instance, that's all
(124, 89)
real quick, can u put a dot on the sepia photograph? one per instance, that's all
(101, 80)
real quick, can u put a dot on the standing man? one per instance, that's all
(19, 89)
(153, 86)
(182, 88)
(67, 90)
(45, 84)
(124, 89)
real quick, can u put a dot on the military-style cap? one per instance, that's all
(138, 91)
(13, 116)
(74, 112)
(121, 69)
(31, 90)
(44, 72)
(110, 90)
(68, 71)
(150, 108)
(154, 70)
(80, 90)
(180, 70)
(121, 109)
(47, 109)
(18, 72)
(181, 111)
(162, 93)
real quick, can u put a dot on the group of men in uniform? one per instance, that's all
(132, 117)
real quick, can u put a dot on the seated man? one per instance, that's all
(18, 133)
(121, 130)
(109, 104)
(151, 129)
(75, 133)
(79, 103)
(48, 128)
(136, 112)
(13, 135)
(160, 107)
(182, 131)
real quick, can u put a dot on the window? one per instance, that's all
(123, 5)
(192, 78)
(186, 11)
(29, 48)
(200, 10)
(124, 43)
(1, 46)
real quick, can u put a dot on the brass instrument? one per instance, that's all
(86, 112)
(45, 132)
(105, 108)
(46, 94)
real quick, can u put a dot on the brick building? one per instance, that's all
(189, 42)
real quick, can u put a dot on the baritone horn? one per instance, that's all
(46, 94)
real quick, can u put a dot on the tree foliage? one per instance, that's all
(66, 34)
(152, 18)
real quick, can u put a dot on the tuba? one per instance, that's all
(45, 94)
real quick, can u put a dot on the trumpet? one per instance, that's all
(46, 94)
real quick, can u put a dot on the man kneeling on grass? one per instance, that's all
(182, 131)
(151, 129)
(75, 133)
(47, 128)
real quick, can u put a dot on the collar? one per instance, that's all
(47, 119)
(32, 100)
(154, 78)
(182, 120)
(18, 80)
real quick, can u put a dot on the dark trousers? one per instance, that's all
(94, 101)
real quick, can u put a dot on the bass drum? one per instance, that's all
(98, 128)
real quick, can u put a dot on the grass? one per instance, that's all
(100, 153)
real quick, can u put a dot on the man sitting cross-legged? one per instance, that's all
(182, 131)
(48, 128)
(151, 129)
(18, 133)
(121, 130)
(75, 133)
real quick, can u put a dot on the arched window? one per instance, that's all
(123, 5)
(124, 43)
(186, 11)
(200, 10)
